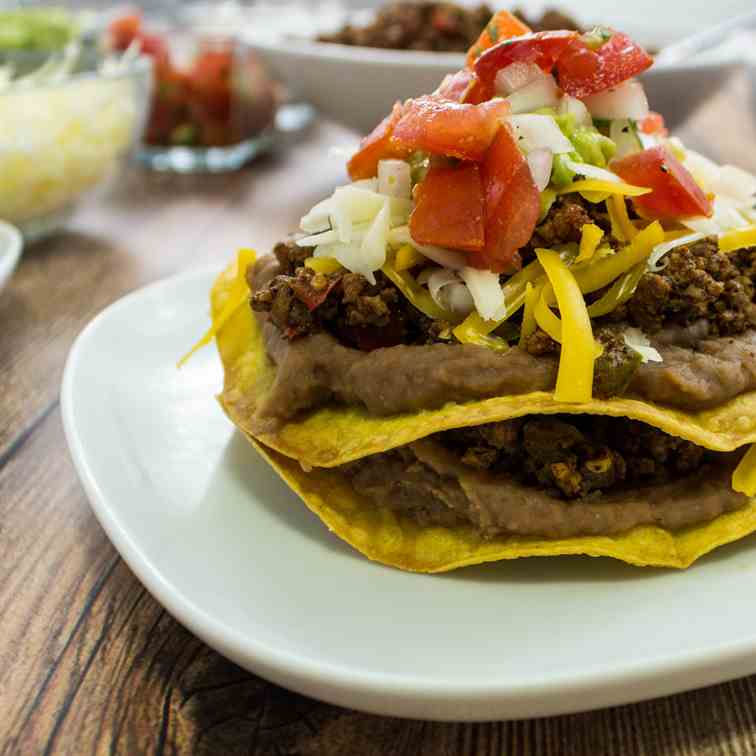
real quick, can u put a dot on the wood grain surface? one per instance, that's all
(89, 662)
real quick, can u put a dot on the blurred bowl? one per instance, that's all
(11, 244)
(60, 138)
(358, 85)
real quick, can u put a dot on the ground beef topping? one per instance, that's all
(575, 455)
(360, 314)
(697, 282)
(432, 26)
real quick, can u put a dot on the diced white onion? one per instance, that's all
(534, 131)
(486, 292)
(539, 93)
(592, 171)
(318, 219)
(515, 76)
(623, 133)
(638, 341)
(394, 178)
(445, 257)
(626, 100)
(373, 247)
(540, 162)
(654, 259)
(459, 298)
(572, 106)
(448, 291)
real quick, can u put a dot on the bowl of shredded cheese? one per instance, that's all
(63, 133)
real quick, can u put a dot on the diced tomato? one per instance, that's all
(503, 25)
(449, 207)
(377, 146)
(124, 30)
(675, 194)
(583, 71)
(541, 48)
(210, 81)
(448, 128)
(512, 204)
(455, 86)
(653, 123)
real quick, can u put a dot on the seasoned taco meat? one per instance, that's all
(575, 455)
(432, 26)
(674, 485)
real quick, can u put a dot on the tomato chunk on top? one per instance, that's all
(376, 146)
(512, 204)
(675, 194)
(442, 127)
(583, 71)
(449, 207)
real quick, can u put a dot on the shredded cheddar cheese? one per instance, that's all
(417, 295)
(590, 237)
(606, 188)
(622, 227)
(575, 376)
(737, 239)
(407, 257)
(238, 296)
(323, 265)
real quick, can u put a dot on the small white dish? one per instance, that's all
(11, 244)
(224, 545)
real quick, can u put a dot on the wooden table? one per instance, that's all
(89, 662)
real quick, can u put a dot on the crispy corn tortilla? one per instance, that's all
(398, 541)
(331, 436)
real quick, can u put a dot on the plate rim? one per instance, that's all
(389, 694)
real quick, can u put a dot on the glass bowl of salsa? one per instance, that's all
(212, 107)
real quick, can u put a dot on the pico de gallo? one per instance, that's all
(220, 98)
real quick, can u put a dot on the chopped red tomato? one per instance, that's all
(512, 204)
(455, 87)
(503, 25)
(675, 194)
(583, 71)
(449, 208)
(210, 81)
(448, 128)
(377, 145)
(541, 48)
(653, 123)
(124, 30)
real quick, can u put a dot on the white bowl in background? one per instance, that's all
(357, 86)
(11, 244)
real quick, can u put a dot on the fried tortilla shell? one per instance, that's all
(398, 541)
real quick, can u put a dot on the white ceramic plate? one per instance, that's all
(11, 245)
(358, 85)
(234, 556)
